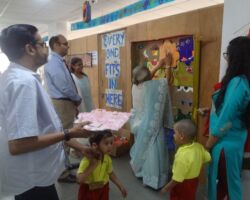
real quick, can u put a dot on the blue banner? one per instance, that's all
(119, 14)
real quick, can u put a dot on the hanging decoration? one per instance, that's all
(86, 11)
(146, 4)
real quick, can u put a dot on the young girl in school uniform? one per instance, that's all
(93, 175)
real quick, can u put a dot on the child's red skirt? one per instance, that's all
(185, 190)
(97, 194)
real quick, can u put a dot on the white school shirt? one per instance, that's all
(25, 111)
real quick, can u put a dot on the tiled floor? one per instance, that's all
(134, 186)
(136, 191)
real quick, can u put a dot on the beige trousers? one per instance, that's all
(66, 111)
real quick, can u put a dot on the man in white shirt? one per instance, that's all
(32, 153)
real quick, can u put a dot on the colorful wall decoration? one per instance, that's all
(119, 14)
(182, 75)
(111, 43)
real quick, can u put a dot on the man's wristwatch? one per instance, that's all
(66, 134)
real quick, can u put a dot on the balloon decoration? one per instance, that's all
(86, 11)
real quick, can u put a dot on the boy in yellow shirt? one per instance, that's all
(188, 162)
(93, 175)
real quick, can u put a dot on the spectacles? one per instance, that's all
(225, 55)
(64, 44)
(42, 44)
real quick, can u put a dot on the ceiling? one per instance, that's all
(44, 12)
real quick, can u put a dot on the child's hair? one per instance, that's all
(141, 74)
(98, 136)
(186, 127)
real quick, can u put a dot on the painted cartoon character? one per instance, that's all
(186, 50)
(170, 47)
(153, 62)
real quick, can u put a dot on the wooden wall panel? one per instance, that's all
(77, 46)
(210, 35)
(128, 77)
(137, 32)
(91, 43)
(101, 77)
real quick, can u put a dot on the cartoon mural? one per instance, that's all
(182, 102)
(182, 74)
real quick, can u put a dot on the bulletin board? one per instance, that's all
(182, 75)
(112, 54)
(86, 59)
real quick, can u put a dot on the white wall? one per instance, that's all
(4, 62)
(236, 22)
(56, 28)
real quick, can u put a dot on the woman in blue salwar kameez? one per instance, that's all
(229, 119)
(151, 115)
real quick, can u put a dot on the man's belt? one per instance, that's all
(64, 99)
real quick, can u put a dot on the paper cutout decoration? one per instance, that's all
(102, 119)
(87, 60)
(186, 49)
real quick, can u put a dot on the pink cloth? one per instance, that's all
(102, 119)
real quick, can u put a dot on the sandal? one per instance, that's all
(67, 179)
